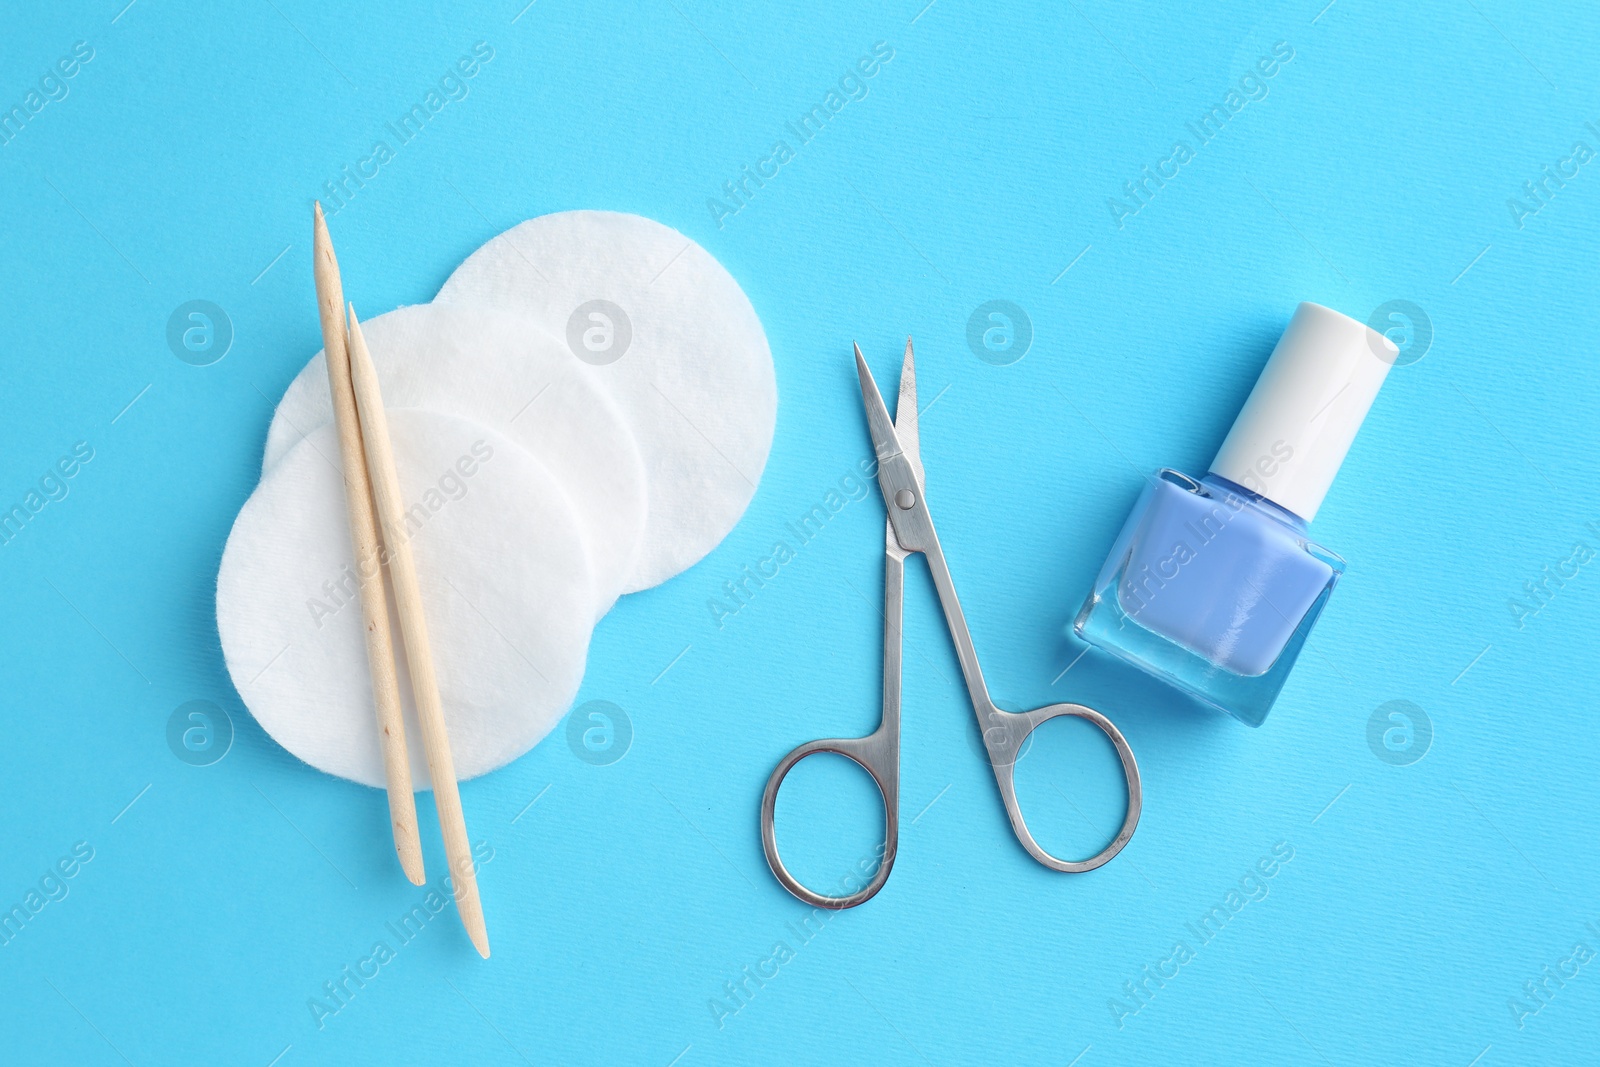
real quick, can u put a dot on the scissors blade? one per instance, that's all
(911, 528)
(905, 413)
(885, 444)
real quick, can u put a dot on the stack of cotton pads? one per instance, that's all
(583, 412)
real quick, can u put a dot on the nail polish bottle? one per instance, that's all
(1213, 584)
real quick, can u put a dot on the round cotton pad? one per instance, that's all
(508, 594)
(498, 369)
(674, 339)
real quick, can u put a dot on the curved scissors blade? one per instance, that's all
(899, 466)
(881, 428)
(906, 414)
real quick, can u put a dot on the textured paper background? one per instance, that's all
(1420, 899)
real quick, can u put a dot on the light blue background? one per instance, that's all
(1420, 898)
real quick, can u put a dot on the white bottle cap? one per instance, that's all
(1293, 432)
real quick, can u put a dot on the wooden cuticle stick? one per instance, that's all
(414, 632)
(369, 555)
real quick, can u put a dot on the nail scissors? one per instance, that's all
(910, 529)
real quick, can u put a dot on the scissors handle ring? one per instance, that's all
(867, 753)
(1002, 757)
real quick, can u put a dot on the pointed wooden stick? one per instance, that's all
(364, 536)
(414, 631)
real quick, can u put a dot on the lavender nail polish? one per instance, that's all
(1213, 584)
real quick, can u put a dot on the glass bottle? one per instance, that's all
(1213, 583)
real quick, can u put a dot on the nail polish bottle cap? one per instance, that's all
(1294, 430)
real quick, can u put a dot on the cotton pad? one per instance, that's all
(508, 592)
(497, 368)
(654, 317)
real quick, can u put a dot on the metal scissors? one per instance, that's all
(910, 529)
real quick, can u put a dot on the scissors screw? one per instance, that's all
(905, 500)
